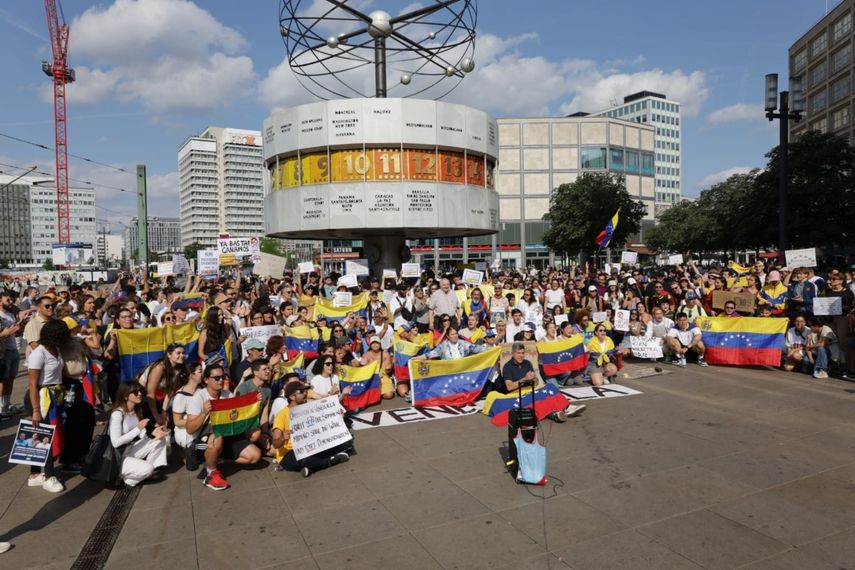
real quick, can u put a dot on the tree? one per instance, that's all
(191, 251)
(726, 215)
(579, 211)
(273, 246)
(676, 229)
(48, 265)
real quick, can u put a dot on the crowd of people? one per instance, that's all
(69, 331)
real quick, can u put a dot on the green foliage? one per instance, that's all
(273, 246)
(676, 228)
(192, 250)
(48, 265)
(579, 211)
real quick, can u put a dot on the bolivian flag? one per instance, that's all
(234, 416)
(324, 307)
(455, 382)
(748, 341)
(563, 355)
(301, 339)
(140, 347)
(364, 382)
(547, 399)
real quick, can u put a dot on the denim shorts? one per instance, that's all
(9, 364)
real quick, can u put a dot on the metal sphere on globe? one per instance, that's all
(332, 42)
(449, 71)
(432, 35)
(467, 65)
(283, 31)
(406, 78)
(381, 24)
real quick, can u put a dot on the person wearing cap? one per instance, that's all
(693, 308)
(79, 424)
(376, 353)
(181, 310)
(685, 338)
(775, 294)
(254, 351)
(592, 302)
(490, 338)
(297, 393)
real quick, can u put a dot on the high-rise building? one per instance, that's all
(164, 236)
(823, 59)
(28, 226)
(222, 185)
(655, 109)
(109, 249)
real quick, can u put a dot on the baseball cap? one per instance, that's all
(181, 305)
(293, 387)
(631, 281)
(253, 343)
(773, 276)
(691, 295)
(591, 288)
(374, 339)
(407, 327)
(490, 333)
(291, 320)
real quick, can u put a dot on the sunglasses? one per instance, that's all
(216, 378)
(168, 319)
(328, 363)
(134, 393)
(48, 306)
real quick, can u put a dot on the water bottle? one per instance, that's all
(69, 396)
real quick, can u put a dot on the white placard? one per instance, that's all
(262, 333)
(355, 268)
(481, 266)
(473, 277)
(305, 267)
(316, 426)
(800, 257)
(560, 319)
(629, 257)
(645, 347)
(608, 268)
(239, 247)
(389, 274)
(348, 281)
(599, 317)
(676, 259)
(534, 316)
(180, 265)
(410, 270)
(31, 445)
(208, 262)
(622, 320)
(827, 306)
(388, 295)
(342, 298)
(164, 268)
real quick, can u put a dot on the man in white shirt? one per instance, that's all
(684, 338)
(515, 326)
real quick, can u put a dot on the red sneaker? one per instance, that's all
(216, 481)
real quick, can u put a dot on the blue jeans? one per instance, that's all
(821, 359)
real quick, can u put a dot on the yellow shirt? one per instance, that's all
(283, 422)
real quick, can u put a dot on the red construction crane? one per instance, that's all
(61, 74)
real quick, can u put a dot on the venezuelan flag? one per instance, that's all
(88, 381)
(324, 307)
(195, 300)
(234, 416)
(404, 350)
(749, 341)
(301, 339)
(295, 364)
(51, 403)
(547, 399)
(605, 236)
(563, 355)
(455, 382)
(364, 382)
(476, 336)
(140, 347)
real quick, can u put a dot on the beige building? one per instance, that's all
(823, 59)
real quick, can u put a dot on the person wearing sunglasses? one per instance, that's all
(601, 357)
(142, 454)
(325, 381)
(44, 313)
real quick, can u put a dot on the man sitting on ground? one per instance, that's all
(684, 338)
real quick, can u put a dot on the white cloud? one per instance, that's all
(168, 55)
(737, 112)
(723, 175)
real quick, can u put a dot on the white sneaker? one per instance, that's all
(36, 481)
(575, 409)
(53, 485)
(5, 547)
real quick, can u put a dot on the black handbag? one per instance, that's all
(103, 462)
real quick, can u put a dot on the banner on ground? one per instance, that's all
(645, 347)
(451, 382)
(235, 416)
(747, 341)
(317, 426)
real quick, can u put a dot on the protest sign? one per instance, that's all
(622, 320)
(598, 317)
(800, 257)
(676, 259)
(410, 270)
(262, 333)
(629, 257)
(497, 315)
(208, 262)
(239, 247)
(388, 295)
(180, 265)
(164, 268)
(560, 319)
(473, 277)
(342, 298)
(744, 302)
(608, 268)
(348, 281)
(827, 306)
(534, 316)
(645, 347)
(481, 265)
(389, 274)
(305, 267)
(31, 445)
(356, 267)
(316, 426)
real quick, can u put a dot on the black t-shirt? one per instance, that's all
(513, 372)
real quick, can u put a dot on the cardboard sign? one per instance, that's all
(827, 306)
(645, 347)
(239, 247)
(800, 257)
(745, 302)
(410, 270)
(622, 320)
(342, 299)
(676, 259)
(305, 267)
(389, 274)
(560, 320)
(629, 258)
(164, 268)
(316, 426)
(348, 281)
(31, 444)
(355, 267)
(473, 277)
(262, 333)
(599, 317)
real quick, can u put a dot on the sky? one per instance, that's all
(150, 73)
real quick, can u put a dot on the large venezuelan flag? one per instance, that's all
(563, 355)
(749, 341)
(140, 347)
(404, 351)
(364, 382)
(547, 400)
(455, 382)
(301, 339)
(324, 307)
(234, 416)
(605, 236)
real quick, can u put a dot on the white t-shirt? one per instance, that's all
(180, 404)
(795, 338)
(276, 406)
(660, 329)
(685, 337)
(323, 386)
(554, 297)
(512, 329)
(50, 366)
(196, 404)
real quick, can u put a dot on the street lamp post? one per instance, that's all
(783, 112)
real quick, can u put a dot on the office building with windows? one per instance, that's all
(221, 180)
(823, 59)
(164, 236)
(28, 223)
(655, 109)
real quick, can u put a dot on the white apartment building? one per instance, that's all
(164, 236)
(657, 110)
(28, 224)
(221, 185)
(109, 249)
